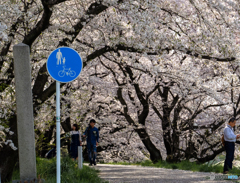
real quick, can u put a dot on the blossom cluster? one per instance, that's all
(3, 132)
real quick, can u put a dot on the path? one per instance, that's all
(138, 174)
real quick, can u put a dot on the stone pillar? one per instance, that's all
(80, 158)
(25, 122)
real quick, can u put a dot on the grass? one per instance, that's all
(185, 165)
(70, 173)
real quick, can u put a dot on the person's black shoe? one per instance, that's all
(90, 164)
(94, 163)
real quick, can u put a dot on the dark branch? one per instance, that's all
(40, 27)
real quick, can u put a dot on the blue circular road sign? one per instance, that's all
(64, 64)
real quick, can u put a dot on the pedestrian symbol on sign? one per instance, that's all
(64, 64)
(59, 57)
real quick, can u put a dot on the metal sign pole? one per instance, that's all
(64, 65)
(58, 130)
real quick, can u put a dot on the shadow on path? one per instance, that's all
(138, 174)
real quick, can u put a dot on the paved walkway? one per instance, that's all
(138, 174)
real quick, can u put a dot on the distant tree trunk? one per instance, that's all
(171, 140)
(166, 136)
(9, 157)
(42, 146)
(155, 154)
(167, 140)
(210, 157)
(175, 132)
(66, 125)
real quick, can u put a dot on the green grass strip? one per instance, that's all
(70, 173)
(184, 165)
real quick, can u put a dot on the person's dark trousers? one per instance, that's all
(229, 147)
(92, 153)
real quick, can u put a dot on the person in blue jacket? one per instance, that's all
(92, 135)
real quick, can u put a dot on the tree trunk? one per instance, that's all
(9, 157)
(167, 137)
(175, 147)
(210, 157)
(155, 154)
(42, 146)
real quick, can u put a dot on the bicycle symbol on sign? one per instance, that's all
(68, 72)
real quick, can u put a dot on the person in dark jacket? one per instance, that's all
(92, 135)
(75, 141)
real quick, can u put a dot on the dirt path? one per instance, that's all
(138, 174)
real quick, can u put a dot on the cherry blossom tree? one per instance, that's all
(177, 103)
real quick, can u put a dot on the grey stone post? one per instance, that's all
(80, 158)
(25, 122)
